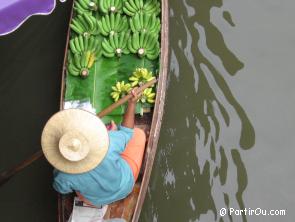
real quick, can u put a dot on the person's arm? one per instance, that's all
(128, 119)
(121, 137)
(60, 183)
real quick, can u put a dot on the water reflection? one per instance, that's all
(199, 167)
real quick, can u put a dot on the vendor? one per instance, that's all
(100, 166)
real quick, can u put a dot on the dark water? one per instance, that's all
(30, 75)
(229, 142)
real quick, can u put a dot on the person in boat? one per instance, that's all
(100, 166)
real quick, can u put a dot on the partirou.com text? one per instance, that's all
(250, 212)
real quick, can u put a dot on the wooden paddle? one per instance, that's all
(6, 175)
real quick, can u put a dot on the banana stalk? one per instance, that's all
(84, 51)
(85, 6)
(115, 45)
(85, 25)
(143, 22)
(151, 7)
(112, 24)
(144, 44)
(114, 6)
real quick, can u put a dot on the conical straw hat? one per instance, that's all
(74, 141)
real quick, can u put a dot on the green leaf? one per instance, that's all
(102, 76)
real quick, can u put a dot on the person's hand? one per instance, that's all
(135, 95)
(113, 126)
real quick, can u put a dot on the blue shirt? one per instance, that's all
(110, 181)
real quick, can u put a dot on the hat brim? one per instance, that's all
(92, 128)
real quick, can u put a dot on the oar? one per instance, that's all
(6, 175)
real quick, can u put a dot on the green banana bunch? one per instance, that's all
(141, 76)
(112, 6)
(84, 52)
(115, 45)
(144, 44)
(80, 64)
(111, 24)
(81, 43)
(85, 25)
(148, 96)
(85, 6)
(120, 90)
(131, 7)
(143, 22)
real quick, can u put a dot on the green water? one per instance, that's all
(226, 140)
(229, 141)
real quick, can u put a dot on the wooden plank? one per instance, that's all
(124, 208)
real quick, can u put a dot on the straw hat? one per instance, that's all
(74, 141)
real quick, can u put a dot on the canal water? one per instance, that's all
(228, 144)
(30, 77)
(227, 135)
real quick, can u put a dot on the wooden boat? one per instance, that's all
(129, 208)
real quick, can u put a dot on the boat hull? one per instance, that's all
(130, 207)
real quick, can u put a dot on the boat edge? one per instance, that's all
(158, 109)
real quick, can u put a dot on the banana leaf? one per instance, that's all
(102, 76)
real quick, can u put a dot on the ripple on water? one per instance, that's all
(198, 170)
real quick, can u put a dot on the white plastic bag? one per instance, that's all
(80, 104)
(86, 213)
